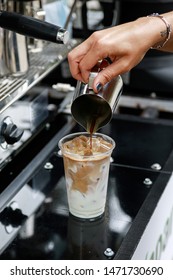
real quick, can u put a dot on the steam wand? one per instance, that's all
(31, 27)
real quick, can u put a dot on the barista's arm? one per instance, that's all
(125, 44)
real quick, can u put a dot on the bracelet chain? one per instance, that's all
(164, 33)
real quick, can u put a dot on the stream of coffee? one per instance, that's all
(91, 130)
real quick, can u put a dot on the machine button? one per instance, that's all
(10, 133)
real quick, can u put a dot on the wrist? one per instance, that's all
(149, 31)
(165, 33)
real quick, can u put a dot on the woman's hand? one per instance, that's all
(124, 44)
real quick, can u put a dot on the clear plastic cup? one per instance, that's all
(86, 172)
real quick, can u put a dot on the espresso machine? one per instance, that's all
(19, 19)
(28, 116)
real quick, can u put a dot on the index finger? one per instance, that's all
(75, 56)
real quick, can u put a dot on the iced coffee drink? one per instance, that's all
(86, 168)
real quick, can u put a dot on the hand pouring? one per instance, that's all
(94, 110)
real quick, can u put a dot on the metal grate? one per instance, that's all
(41, 64)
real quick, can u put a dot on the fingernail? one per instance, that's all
(99, 86)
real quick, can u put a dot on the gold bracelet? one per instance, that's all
(166, 33)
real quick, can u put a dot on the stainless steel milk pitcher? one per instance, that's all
(3, 66)
(16, 51)
(94, 110)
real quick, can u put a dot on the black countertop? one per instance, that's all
(140, 143)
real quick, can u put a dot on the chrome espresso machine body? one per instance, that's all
(28, 119)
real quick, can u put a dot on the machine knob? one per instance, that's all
(13, 217)
(11, 133)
